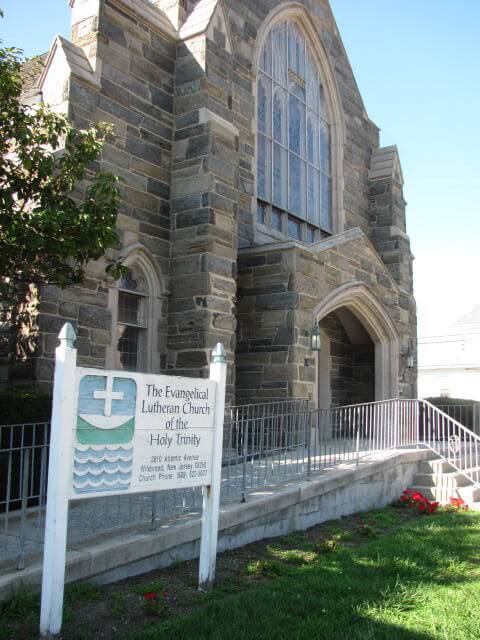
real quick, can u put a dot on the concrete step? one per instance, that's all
(436, 466)
(441, 494)
(450, 480)
(473, 472)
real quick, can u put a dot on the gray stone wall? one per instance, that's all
(280, 287)
(183, 106)
(393, 245)
(204, 206)
(352, 366)
(136, 96)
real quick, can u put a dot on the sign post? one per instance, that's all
(211, 493)
(55, 546)
(119, 432)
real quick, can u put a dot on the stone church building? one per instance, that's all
(256, 202)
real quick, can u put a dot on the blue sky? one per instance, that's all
(416, 64)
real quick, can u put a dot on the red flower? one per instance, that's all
(433, 506)
(151, 595)
(416, 500)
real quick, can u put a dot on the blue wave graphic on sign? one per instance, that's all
(105, 428)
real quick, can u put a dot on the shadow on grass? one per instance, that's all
(399, 587)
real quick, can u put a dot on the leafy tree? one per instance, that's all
(56, 214)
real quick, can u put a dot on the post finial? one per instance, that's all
(67, 336)
(218, 354)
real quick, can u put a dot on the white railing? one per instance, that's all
(468, 414)
(264, 444)
(451, 440)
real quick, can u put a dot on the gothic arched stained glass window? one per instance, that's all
(293, 137)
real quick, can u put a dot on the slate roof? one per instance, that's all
(31, 72)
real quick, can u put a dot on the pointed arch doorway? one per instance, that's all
(358, 361)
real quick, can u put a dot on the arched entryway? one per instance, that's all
(358, 361)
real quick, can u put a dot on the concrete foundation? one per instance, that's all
(269, 512)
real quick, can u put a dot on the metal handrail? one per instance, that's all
(264, 444)
(452, 441)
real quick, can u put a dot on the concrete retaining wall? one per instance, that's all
(270, 512)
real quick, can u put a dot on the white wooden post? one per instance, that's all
(59, 468)
(211, 494)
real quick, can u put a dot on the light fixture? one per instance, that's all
(409, 360)
(314, 335)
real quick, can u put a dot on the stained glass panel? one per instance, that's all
(266, 56)
(322, 102)
(325, 146)
(313, 86)
(294, 154)
(296, 126)
(279, 116)
(264, 92)
(326, 210)
(294, 228)
(279, 176)
(313, 196)
(261, 213)
(276, 219)
(296, 87)
(280, 65)
(263, 167)
(296, 50)
(297, 185)
(312, 140)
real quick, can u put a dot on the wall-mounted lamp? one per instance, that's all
(409, 360)
(314, 336)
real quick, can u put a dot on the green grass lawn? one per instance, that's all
(422, 581)
(383, 575)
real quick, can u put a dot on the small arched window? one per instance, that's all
(135, 304)
(294, 176)
(132, 322)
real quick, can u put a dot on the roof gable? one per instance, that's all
(74, 60)
(385, 163)
(206, 17)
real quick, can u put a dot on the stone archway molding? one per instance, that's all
(360, 300)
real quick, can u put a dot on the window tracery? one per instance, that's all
(294, 176)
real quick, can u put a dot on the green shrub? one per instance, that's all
(446, 401)
(19, 406)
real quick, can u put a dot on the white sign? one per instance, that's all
(116, 433)
(139, 432)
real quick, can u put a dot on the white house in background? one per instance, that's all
(449, 363)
